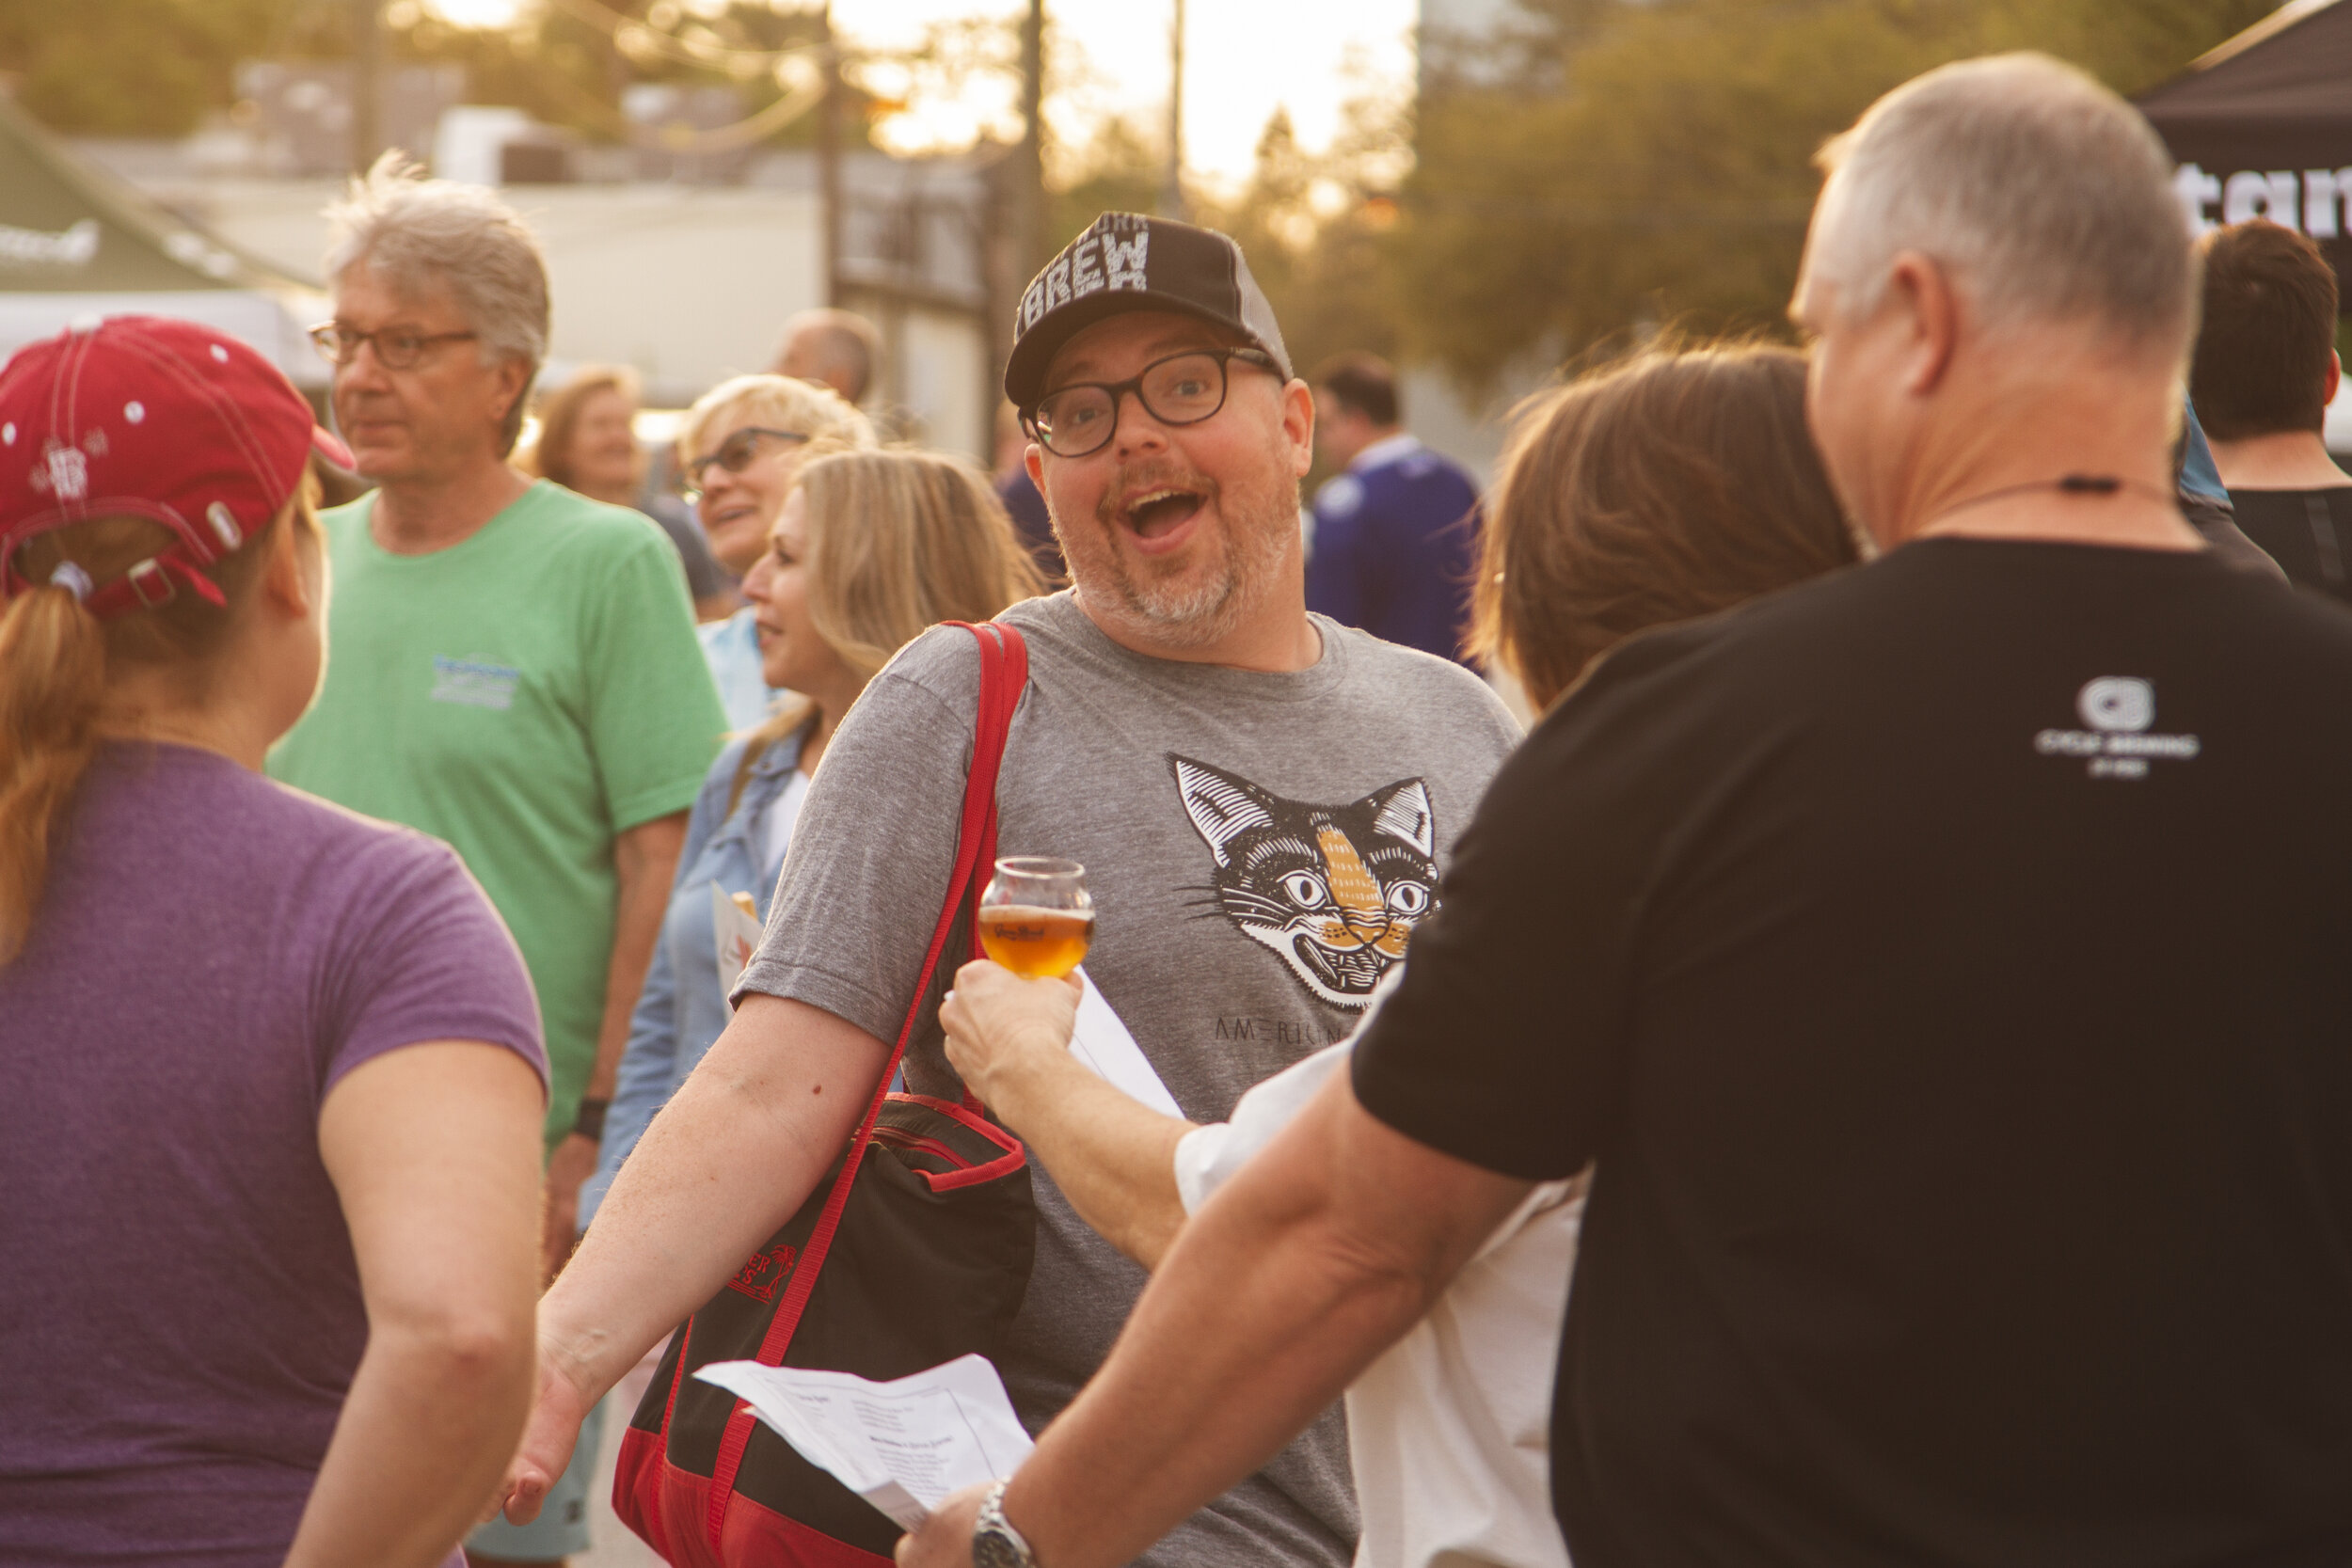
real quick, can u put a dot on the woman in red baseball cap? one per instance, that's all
(270, 1141)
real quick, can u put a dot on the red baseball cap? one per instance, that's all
(147, 417)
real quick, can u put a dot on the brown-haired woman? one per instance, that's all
(868, 548)
(587, 443)
(271, 1135)
(1663, 487)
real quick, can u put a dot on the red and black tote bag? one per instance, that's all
(916, 1250)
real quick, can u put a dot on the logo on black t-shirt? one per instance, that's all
(1335, 890)
(2119, 709)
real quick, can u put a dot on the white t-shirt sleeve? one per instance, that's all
(774, 832)
(1207, 1157)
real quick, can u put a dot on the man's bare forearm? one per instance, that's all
(645, 865)
(1318, 1256)
(726, 1164)
(1114, 1158)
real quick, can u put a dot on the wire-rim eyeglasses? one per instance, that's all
(397, 348)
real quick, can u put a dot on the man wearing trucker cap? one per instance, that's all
(1263, 801)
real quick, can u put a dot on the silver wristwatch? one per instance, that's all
(995, 1543)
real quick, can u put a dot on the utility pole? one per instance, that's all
(367, 95)
(1032, 243)
(829, 160)
(1172, 193)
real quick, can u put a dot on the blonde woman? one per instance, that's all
(742, 444)
(866, 550)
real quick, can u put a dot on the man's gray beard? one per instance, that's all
(1197, 614)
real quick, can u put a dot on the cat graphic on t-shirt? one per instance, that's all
(1335, 890)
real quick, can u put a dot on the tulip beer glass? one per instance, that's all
(1036, 917)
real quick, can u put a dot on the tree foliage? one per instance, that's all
(155, 67)
(1609, 164)
(1315, 229)
(131, 68)
(563, 70)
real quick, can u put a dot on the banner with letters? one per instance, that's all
(2262, 128)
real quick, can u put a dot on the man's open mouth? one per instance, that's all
(1154, 512)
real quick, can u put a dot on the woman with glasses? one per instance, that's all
(867, 551)
(737, 451)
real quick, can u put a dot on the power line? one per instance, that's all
(631, 35)
(749, 132)
(682, 50)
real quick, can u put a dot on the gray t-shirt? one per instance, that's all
(1257, 845)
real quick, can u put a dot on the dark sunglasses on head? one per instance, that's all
(736, 454)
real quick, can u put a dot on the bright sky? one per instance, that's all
(1243, 58)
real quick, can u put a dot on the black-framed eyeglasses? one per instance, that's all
(397, 348)
(1183, 388)
(735, 454)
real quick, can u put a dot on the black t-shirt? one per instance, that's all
(2308, 533)
(1950, 965)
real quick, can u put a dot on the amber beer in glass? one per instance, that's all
(1036, 917)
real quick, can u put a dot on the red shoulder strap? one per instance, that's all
(1004, 675)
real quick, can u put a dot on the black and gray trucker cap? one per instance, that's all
(1127, 262)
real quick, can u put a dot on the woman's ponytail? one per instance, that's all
(53, 679)
(56, 658)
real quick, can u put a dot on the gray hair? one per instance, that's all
(817, 412)
(421, 236)
(2048, 197)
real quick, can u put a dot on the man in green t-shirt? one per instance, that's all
(513, 667)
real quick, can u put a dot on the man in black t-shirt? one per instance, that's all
(1942, 964)
(2265, 373)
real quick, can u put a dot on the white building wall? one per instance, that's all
(941, 370)
(690, 286)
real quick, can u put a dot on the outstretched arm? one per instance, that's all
(1312, 1262)
(1112, 1157)
(738, 1149)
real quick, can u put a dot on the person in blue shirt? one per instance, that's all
(1396, 529)
(827, 616)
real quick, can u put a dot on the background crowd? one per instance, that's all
(1901, 995)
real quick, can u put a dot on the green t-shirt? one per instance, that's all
(524, 695)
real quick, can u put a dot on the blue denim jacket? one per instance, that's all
(681, 1010)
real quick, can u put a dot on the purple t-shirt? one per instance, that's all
(179, 1313)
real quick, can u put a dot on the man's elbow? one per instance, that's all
(649, 851)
